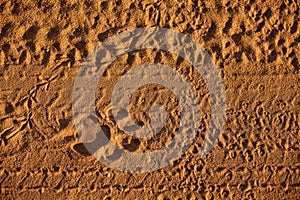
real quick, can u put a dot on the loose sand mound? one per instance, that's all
(255, 46)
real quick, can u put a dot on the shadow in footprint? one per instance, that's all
(89, 149)
(80, 148)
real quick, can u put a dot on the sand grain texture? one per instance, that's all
(255, 46)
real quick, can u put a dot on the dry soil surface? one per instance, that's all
(255, 46)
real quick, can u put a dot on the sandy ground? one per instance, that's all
(255, 46)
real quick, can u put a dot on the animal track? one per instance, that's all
(254, 46)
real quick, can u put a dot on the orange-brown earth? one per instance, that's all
(255, 46)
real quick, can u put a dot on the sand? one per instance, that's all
(255, 47)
